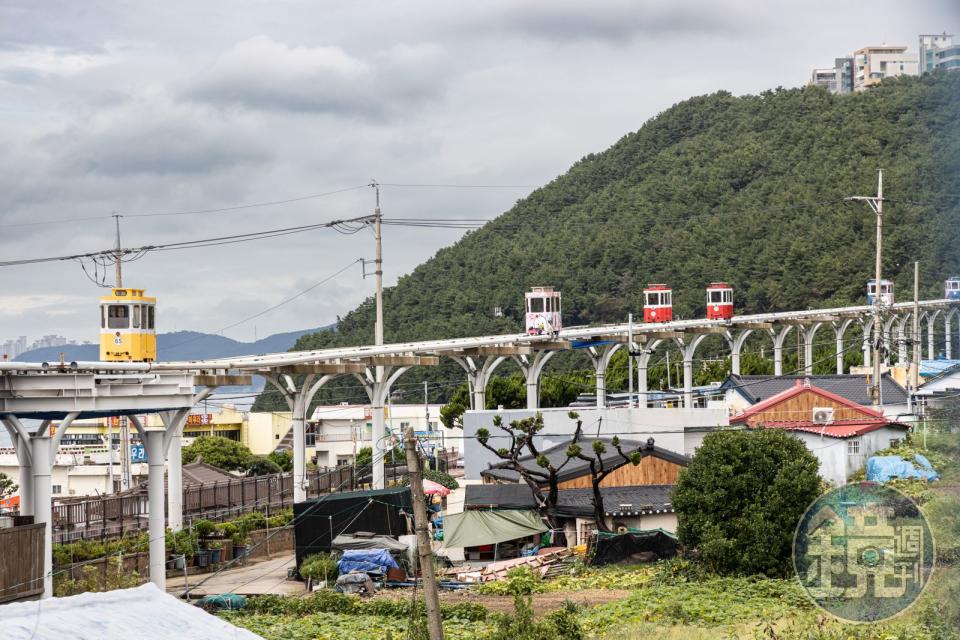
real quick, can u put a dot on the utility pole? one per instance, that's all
(378, 264)
(116, 257)
(629, 359)
(379, 428)
(876, 205)
(915, 368)
(424, 552)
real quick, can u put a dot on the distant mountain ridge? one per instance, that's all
(180, 345)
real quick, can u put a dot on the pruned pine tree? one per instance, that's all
(599, 472)
(522, 434)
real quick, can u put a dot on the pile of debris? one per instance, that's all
(542, 562)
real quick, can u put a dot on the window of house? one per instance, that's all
(56, 489)
(894, 442)
(853, 447)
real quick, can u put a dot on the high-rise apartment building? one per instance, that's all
(844, 71)
(872, 64)
(937, 51)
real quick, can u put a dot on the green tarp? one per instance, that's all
(478, 527)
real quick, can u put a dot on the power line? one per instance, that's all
(272, 308)
(347, 226)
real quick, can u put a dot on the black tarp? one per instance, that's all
(616, 548)
(317, 522)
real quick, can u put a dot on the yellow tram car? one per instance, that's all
(128, 326)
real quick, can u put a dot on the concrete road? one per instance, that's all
(254, 578)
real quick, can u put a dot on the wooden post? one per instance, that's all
(424, 552)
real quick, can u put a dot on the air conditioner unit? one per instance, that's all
(822, 415)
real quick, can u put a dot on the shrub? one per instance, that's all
(283, 459)
(319, 566)
(219, 452)
(203, 528)
(436, 476)
(258, 466)
(93, 578)
(739, 501)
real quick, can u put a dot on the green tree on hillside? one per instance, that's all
(746, 189)
(740, 500)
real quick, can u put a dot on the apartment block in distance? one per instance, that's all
(873, 64)
(937, 51)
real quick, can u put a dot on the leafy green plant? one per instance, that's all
(739, 500)
(283, 459)
(319, 566)
(94, 578)
(520, 581)
(203, 528)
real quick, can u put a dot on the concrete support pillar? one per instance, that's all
(931, 323)
(689, 349)
(687, 383)
(379, 427)
(532, 369)
(948, 338)
(154, 445)
(839, 350)
(736, 343)
(600, 356)
(866, 344)
(298, 401)
(21, 444)
(643, 362)
(903, 352)
(778, 338)
(807, 353)
(175, 483)
(26, 493)
(887, 333)
(42, 459)
(478, 376)
(377, 383)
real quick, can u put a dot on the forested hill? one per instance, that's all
(748, 190)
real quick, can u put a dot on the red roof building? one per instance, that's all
(818, 416)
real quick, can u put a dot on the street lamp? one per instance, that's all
(876, 205)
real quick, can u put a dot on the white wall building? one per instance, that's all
(78, 471)
(840, 456)
(679, 430)
(336, 433)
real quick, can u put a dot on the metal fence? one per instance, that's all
(112, 516)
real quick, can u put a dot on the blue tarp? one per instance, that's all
(886, 468)
(368, 560)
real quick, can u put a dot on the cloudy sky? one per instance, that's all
(163, 107)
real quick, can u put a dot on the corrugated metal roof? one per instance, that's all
(617, 501)
(758, 388)
(557, 455)
(846, 429)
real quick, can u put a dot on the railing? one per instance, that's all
(111, 516)
(21, 562)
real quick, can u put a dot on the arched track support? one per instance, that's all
(532, 370)
(903, 338)
(174, 421)
(736, 342)
(36, 455)
(808, 334)
(377, 383)
(643, 361)
(479, 374)
(600, 356)
(867, 343)
(778, 339)
(298, 400)
(688, 347)
(840, 329)
(887, 336)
